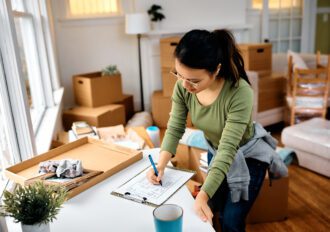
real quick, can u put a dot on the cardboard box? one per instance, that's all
(161, 108)
(168, 81)
(94, 154)
(271, 203)
(271, 92)
(188, 158)
(167, 47)
(128, 103)
(93, 90)
(257, 57)
(102, 116)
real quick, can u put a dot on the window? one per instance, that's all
(92, 8)
(31, 69)
(276, 4)
(8, 144)
(35, 56)
(28, 79)
(284, 23)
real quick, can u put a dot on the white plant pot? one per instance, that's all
(156, 26)
(42, 227)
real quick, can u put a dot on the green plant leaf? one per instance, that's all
(35, 203)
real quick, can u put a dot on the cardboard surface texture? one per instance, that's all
(188, 158)
(167, 47)
(271, 92)
(257, 57)
(93, 90)
(109, 115)
(168, 81)
(95, 155)
(271, 203)
(161, 108)
(128, 103)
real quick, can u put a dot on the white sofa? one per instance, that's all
(279, 65)
(311, 142)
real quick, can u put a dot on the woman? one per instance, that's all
(213, 86)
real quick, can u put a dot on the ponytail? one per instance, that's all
(233, 62)
(202, 49)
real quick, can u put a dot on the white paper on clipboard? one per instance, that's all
(139, 189)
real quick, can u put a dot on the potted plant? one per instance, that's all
(156, 15)
(110, 70)
(34, 205)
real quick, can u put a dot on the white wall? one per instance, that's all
(90, 45)
(198, 13)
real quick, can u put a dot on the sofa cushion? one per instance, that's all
(311, 136)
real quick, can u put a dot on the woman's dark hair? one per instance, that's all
(202, 49)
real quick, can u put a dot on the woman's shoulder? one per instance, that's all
(242, 85)
(242, 90)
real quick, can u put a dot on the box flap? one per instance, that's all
(92, 112)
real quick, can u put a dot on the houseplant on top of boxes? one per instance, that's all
(110, 70)
(34, 205)
(156, 16)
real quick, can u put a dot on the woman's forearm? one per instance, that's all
(164, 158)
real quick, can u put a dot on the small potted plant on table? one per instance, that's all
(34, 206)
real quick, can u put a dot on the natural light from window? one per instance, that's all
(31, 68)
(5, 156)
(277, 4)
(93, 7)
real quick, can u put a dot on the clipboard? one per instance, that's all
(140, 190)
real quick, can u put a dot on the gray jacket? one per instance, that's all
(260, 147)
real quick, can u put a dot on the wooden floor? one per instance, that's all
(309, 204)
(309, 201)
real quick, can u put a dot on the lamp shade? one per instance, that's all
(137, 23)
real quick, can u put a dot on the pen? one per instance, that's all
(154, 167)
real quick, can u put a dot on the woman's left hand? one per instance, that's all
(202, 208)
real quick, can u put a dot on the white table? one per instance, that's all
(96, 210)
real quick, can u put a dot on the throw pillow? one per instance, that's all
(297, 61)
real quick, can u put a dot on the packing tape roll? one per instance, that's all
(154, 135)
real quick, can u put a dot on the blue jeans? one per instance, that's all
(232, 215)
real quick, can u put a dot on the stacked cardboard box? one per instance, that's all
(167, 47)
(271, 92)
(161, 99)
(100, 101)
(257, 57)
(161, 108)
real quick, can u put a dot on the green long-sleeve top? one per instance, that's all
(226, 123)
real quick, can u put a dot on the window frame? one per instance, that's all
(307, 24)
(35, 12)
(15, 85)
(22, 129)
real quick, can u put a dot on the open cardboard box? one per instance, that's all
(94, 90)
(95, 155)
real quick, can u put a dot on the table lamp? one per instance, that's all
(137, 24)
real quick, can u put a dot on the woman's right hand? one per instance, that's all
(164, 158)
(151, 176)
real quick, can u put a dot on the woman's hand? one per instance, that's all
(152, 177)
(201, 207)
(164, 158)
